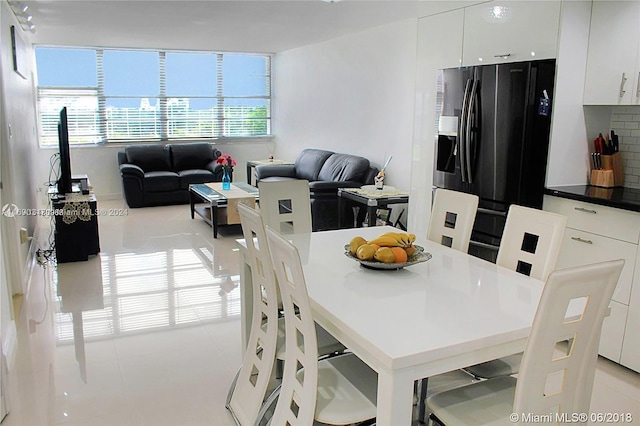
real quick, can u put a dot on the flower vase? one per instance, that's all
(226, 178)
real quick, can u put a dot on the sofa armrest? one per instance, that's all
(216, 169)
(275, 170)
(131, 170)
(122, 158)
(370, 176)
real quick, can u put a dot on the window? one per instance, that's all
(144, 95)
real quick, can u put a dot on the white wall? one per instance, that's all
(17, 150)
(352, 95)
(19, 146)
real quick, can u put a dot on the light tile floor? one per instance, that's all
(148, 332)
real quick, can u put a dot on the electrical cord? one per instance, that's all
(48, 255)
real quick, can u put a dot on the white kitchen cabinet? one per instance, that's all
(596, 219)
(598, 233)
(613, 332)
(581, 248)
(631, 341)
(613, 72)
(510, 31)
(440, 40)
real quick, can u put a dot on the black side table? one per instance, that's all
(372, 198)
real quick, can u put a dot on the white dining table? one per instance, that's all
(449, 312)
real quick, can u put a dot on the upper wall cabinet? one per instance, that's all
(440, 39)
(510, 31)
(613, 72)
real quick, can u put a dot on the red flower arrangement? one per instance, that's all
(227, 161)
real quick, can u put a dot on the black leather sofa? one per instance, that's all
(326, 171)
(159, 174)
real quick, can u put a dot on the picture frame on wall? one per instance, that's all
(19, 53)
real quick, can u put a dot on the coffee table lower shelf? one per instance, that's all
(204, 211)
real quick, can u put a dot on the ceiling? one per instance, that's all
(263, 26)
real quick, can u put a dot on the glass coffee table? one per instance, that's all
(212, 203)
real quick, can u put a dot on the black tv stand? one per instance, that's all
(76, 221)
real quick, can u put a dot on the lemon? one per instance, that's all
(384, 255)
(365, 252)
(355, 243)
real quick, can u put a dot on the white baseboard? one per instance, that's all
(10, 344)
(109, 197)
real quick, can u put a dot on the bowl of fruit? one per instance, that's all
(391, 250)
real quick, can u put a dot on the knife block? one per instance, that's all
(614, 162)
(602, 178)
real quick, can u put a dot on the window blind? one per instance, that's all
(143, 95)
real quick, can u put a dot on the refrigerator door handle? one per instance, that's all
(468, 151)
(463, 132)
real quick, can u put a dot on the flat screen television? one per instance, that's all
(64, 181)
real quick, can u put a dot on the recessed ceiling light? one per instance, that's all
(497, 13)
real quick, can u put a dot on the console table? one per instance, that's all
(372, 198)
(76, 219)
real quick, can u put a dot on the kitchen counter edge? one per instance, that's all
(620, 198)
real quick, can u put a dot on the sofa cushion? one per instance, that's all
(188, 156)
(309, 163)
(150, 158)
(343, 167)
(161, 181)
(194, 176)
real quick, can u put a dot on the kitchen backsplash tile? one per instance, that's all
(625, 121)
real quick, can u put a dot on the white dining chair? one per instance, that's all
(251, 384)
(265, 346)
(338, 390)
(530, 245)
(551, 382)
(286, 205)
(452, 217)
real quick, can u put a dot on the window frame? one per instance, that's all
(222, 121)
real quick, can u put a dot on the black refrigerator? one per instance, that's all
(493, 140)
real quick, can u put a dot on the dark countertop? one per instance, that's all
(621, 198)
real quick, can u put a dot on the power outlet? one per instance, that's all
(24, 236)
